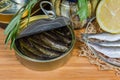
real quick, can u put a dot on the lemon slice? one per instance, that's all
(108, 15)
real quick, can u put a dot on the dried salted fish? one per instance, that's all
(109, 46)
(29, 54)
(61, 37)
(27, 46)
(102, 36)
(49, 53)
(37, 41)
(54, 45)
(110, 43)
(112, 52)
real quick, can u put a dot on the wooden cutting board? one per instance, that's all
(77, 68)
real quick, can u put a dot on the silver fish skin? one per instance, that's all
(110, 43)
(54, 45)
(112, 52)
(102, 36)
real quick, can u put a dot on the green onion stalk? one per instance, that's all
(13, 27)
(83, 8)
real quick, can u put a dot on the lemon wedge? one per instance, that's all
(108, 15)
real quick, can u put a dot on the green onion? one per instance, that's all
(13, 27)
(83, 9)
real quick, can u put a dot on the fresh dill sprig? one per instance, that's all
(13, 27)
(82, 9)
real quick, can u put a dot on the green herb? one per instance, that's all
(13, 27)
(83, 9)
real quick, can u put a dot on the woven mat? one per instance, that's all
(84, 51)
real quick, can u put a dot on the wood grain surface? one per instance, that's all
(77, 68)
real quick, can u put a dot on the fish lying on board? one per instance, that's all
(102, 36)
(107, 44)
(113, 52)
(110, 43)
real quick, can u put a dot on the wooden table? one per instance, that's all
(77, 68)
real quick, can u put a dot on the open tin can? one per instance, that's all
(37, 62)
